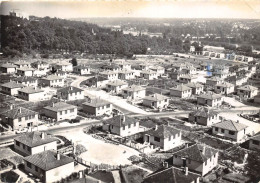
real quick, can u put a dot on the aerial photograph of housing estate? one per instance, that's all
(130, 91)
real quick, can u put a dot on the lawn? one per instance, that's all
(133, 174)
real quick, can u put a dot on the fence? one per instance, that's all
(94, 166)
(66, 150)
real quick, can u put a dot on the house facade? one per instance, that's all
(41, 65)
(210, 99)
(64, 66)
(30, 93)
(11, 88)
(148, 74)
(187, 79)
(25, 71)
(213, 81)
(134, 92)
(156, 101)
(126, 75)
(27, 81)
(97, 107)
(70, 93)
(164, 137)
(197, 88)
(52, 81)
(181, 91)
(116, 86)
(247, 91)
(204, 116)
(254, 142)
(224, 88)
(121, 125)
(8, 68)
(110, 75)
(97, 81)
(20, 64)
(81, 69)
(60, 111)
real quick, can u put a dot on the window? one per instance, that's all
(72, 110)
(108, 106)
(222, 130)
(255, 142)
(129, 126)
(60, 112)
(134, 124)
(29, 164)
(216, 129)
(23, 146)
(157, 139)
(17, 143)
(66, 112)
(28, 149)
(36, 168)
(19, 119)
(231, 132)
(170, 138)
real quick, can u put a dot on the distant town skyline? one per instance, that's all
(143, 9)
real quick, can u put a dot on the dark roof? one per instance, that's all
(210, 96)
(21, 63)
(155, 97)
(97, 78)
(52, 77)
(12, 84)
(81, 67)
(134, 88)
(225, 84)
(204, 112)
(171, 175)
(9, 65)
(69, 90)
(47, 160)
(117, 83)
(247, 88)
(256, 137)
(120, 120)
(60, 106)
(25, 79)
(214, 79)
(195, 152)
(230, 125)
(30, 89)
(180, 88)
(194, 85)
(18, 113)
(163, 131)
(96, 103)
(33, 139)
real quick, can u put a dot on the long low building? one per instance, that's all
(97, 107)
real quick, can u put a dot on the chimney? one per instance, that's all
(58, 156)
(186, 169)
(42, 135)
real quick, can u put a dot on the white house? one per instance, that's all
(158, 69)
(134, 92)
(97, 107)
(187, 79)
(196, 88)
(148, 74)
(124, 66)
(204, 116)
(181, 91)
(110, 75)
(116, 86)
(198, 158)
(60, 111)
(230, 130)
(97, 81)
(210, 99)
(8, 68)
(213, 81)
(70, 93)
(156, 101)
(34, 142)
(247, 91)
(41, 65)
(126, 74)
(121, 125)
(22, 64)
(64, 66)
(49, 166)
(81, 69)
(224, 88)
(31, 93)
(11, 88)
(25, 71)
(53, 81)
(164, 137)
(27, 81)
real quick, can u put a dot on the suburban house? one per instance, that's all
(41, 65)
(148, 74)
(178, 66)
(64, 66)
(189, 70)
(236, 80)
(181, 91)
(111, 67)
(159, 70)
(8, 68)
(220, 74)
(25, 71)
(204, 116)
(70, 93)
(134, 92)
(156, 101)
(22, 64)
(126, 74)
(110, 75)
(210, 99)
(27, 81)
(143, 67)
(11, 88)
(121, 125)
(224, 88)
(177, 74)
(213, 81)
(172, 175)
(230, 130)
(164, 137)
(31, 93)
(19, 118)
(254, 142)
(116, 86)
(196, 88)
(187, 79)
(124, 66)
(34, 142)
(60, 111)
(52, 80)
(81, 69)
(61, 74)
(97, 107)
(247, 91)
(198, 158)
(97, 81)
(49, 166)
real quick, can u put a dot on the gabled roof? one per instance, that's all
(98, 78)
(69, 90)
(47, 160)
(60, 106)
(247, 88)
(33, 139)
(96, 103)
(125, 71)
(194, 85)
(230, 125)
(21, 63)
(256, 137)
(120, 120)
(163, 131)
(81, 67)
(40, 63)
(214, 79)
(155, 97)
(210, 96)
(117, 83)
(204, 112)
(180, 88)
(197, 152)
(18, 113)
(225, 84)
(26, 69)
(9, 65)
(30, 89)
(25, 79)
(52, 77)
(148, 72)
(12, 84)
(171, 175)
(134, 88)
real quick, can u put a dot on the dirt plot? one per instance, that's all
(133, 174)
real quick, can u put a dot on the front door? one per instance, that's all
(184, 162)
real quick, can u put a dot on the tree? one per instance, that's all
(74, 62)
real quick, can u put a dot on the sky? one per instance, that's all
(133, 8)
